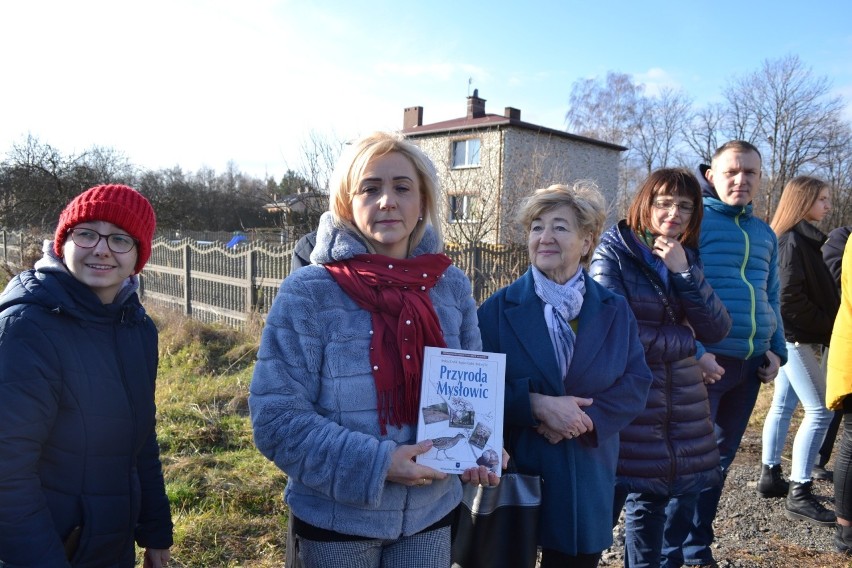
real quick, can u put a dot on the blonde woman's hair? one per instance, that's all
(583, 199)
(798, 197)
(350, 168)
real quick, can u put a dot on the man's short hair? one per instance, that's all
(737, 146)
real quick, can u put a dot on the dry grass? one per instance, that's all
(226, 498)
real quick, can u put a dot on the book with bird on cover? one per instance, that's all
(461, 409)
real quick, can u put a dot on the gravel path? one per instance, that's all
(753, 532)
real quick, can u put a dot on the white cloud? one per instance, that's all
(655, 80)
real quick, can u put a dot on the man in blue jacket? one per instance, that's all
(740, 262)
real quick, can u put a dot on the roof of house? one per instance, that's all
(495, 120)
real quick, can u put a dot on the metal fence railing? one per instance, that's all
(13, 247)
(213, 283)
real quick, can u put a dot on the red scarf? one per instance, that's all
(396, 293)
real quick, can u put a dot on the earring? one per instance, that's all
(420, 218)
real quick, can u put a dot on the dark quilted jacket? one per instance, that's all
(670, 448)
(809, 297)
(77, 441)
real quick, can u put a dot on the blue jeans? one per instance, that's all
(651, 536)
(801, 379)
(732, 399)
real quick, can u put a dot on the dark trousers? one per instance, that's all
(830, 436)
(843, 466)
(555, 559)
(732, 400)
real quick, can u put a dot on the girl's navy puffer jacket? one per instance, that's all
(670, 448)
(77, 440)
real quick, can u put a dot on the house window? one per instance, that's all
(462, 208)
(466, 153)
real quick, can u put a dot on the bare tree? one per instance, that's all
(703, 129)
(610, 110)
(607, 110)
(108, 165)
(617, 110)
(660, 128)
(39, 183)
(834, 166)
(784, 109)
(319, 154)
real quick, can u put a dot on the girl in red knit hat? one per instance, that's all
(80, 476)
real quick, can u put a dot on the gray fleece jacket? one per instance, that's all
(313, 399)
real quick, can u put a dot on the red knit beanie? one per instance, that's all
(120, 205)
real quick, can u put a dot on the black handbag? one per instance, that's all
(497, 527)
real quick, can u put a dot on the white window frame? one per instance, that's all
(472, 156)
(468, 208)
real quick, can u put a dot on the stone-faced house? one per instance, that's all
(487, 163)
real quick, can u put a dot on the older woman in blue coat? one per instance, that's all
(575, 373)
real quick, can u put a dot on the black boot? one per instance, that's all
(771, 482)
(843, 539)
(820, 473)
(803, 506)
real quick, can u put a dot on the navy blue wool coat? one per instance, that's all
(608, 366)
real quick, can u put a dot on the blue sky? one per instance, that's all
(201, 83)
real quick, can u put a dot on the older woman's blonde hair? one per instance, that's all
(350, 168)
(583, 199)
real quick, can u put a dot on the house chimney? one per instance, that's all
(475, 105)
(512, 113)
(412, 117)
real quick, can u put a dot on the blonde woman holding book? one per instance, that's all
(334, 395)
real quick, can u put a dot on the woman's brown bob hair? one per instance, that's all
(675, 182)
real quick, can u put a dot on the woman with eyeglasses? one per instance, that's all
(81, 482)
(668, 453)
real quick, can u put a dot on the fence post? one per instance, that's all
(21, 248)
(251, 292)
(187, 279)
(5, 249)
(476, 261)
